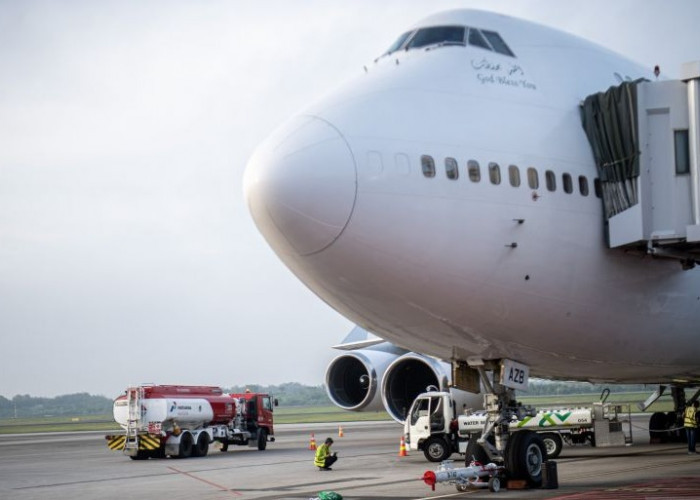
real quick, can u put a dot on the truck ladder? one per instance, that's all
(134, 395)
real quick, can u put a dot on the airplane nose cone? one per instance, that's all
(300, 186)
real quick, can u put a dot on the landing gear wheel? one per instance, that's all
(262, 439)
(494, 484)
(186, 445)
(553, 444)
(657, 428)
(436, 449)
(525, 456)
(202, 447)
(475, 452)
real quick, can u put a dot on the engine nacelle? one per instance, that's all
(353, 379)
(407, 377)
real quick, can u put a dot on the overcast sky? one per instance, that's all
(127, 253)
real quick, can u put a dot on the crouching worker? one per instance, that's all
(324, 459)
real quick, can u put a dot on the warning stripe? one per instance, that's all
(146, 442)
(116, 442)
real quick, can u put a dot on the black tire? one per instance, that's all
(553, 444)
(436, 449)
(140, 455)
(525, 456)
(475, 452)
(186, 445)
(658, 428)
(202, 447)
(262, 439)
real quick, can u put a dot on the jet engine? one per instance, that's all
(407, 377)
(353, 380)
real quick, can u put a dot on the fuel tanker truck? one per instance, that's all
(181, 421)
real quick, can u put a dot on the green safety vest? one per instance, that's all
(689, 417)
(321, 453)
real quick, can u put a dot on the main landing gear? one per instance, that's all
(523, 453)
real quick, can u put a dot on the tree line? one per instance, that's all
(288, 394)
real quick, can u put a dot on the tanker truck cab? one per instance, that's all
(257, 417)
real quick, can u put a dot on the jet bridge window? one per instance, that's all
(474, 170)
(451, 168)
(494, 173)
(681, 151)
(514, 175)
(533, 180)
(428, 165)
(568, 184)
(437, 35)
(551, 180)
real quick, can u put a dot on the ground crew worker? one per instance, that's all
(690, 424)
(324, 459)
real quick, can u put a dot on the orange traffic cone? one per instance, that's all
(312, 443)
(340, 431)
(402, 448)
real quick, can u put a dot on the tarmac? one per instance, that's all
(80, 466)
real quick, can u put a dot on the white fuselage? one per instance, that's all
(455, 268)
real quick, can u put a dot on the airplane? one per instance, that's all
(448, 199)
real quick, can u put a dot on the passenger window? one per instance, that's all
(428, 165)
(551, 180)
(451, 168)
(514, 175)
(533, 179)
(474, 170)
(494, 173)
(583, 185)
(597, 188)
(568, 184)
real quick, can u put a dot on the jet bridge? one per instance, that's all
(645, 138)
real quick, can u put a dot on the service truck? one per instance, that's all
(181, 421)
(435, 426)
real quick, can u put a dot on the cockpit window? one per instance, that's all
(445, 35)
(497, 43)
(476, 39)
(399, 42)
(451, 35)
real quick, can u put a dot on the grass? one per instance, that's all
(315, 414)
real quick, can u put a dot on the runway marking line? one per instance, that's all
(675, 487)
(205, 481)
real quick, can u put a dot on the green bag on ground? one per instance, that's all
(330, 495)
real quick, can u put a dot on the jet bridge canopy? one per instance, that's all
(645, 138)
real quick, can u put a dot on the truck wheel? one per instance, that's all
(525, 456)
(553, 444)
(140, 455)
(262, 439)
(475, 452)
(436, 449)
(186, 445)
(202, 447)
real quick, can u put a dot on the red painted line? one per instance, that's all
(210, 483)
(676, 487)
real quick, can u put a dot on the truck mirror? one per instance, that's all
(276, 402)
